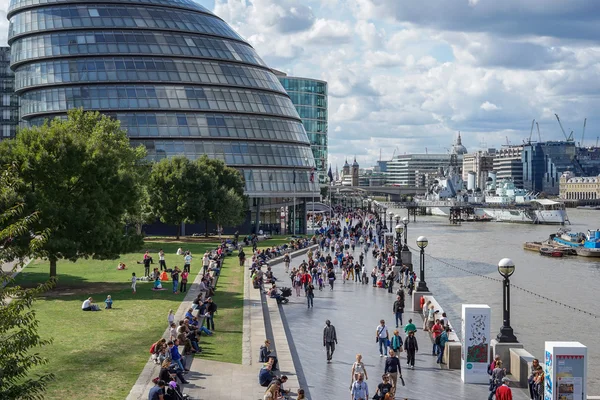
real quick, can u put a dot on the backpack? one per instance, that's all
(153, 348)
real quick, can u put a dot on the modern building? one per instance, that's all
(310, 99)
(401, 170)
(9, 117)
(180, 80)
(480, 163)
(545, 162)
(579, 188)
(508, 164)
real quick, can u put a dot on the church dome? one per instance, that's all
(458, 147)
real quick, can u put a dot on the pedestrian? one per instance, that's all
(382, 337)
(184, 279)
(411, 346)
(498, 374)
(360, 389)
(175, 278)
(187, 261)
(396, 343)
(133, 282)
(310, 295)
(331, 277)
(503, 392)
(329, 339)
(171, 317)
(358, 368)
(147, 261)
(436, 331)
(443, 338)
(398, 310)
(384, 389)
(211, 309)
(161, 260)
(286, 260)
(392, 368)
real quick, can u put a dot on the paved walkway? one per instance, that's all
(355, 310)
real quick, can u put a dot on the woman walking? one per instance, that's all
(411, 346)
(331, 277)
(358, 368)
(497, 374)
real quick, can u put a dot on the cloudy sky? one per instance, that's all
(408, 75)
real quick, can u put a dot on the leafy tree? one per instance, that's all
(225, 200)
(18, 324)
(142, 211)
(178, 191)
(78, 174)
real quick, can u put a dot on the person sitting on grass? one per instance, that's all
(88, 305)
(121, 266)
(108, 303)
(157, 284)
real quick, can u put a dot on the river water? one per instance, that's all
(478, 246)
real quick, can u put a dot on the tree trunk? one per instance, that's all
(52, 267)
(206, 227)
(178, 230)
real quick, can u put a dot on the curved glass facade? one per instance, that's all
(310, 98)
(179, 79)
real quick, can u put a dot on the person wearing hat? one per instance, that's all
(504, 392)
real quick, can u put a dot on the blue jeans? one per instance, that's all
(179, 364)
(310, 301)
(175, 284)
(435, 349)
(204, 330)
(399, 317)
(383, 349)
(440, 354)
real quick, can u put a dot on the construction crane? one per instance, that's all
(507, 142)
(531, 132)
(570, 137)
(538, 129)
(583, 133)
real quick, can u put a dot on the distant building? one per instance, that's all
(545, 162)
(402, 169)
(480, 163)
(579, 188)
(508, 164)
(310, 99)
(355, 168)
(10, 101)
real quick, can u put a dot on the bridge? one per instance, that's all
(393, 193)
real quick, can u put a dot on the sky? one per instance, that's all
(406, 76)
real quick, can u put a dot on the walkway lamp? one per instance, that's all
(391, 214)
(422, 242)
(399, 230)
(506, 267)
(405, 222)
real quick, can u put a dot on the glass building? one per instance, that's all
(310, 98)
(180, 80)
(9, 115)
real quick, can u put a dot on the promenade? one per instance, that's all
(355, 310)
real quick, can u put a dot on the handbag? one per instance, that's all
(387, 342)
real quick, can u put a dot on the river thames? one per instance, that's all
(478, 246)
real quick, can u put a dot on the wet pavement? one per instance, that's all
(355, 310)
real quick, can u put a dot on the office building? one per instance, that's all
(10, 101)
(401, 170)
(508, 164)
(180, 80)
(545, 162)
(310, 99)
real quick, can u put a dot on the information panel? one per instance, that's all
(565, 371)
(475, 343)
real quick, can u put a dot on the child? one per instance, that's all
(108, 302)
(320, 282)
(171, 317)
(157, 283)
(133, 281)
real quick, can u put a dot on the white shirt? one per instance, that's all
(85, 304)
(383, 332)
(161, 256)
(188, 259)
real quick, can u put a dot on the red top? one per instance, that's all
(437, 330)
(503, 393)
(422, 301)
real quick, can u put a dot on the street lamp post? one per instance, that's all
(422, 242)
(405, 222)
(506, 267)
(391, 214)
(384, 219)
(399, 230)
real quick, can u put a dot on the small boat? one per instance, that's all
(533, 246)
(587, 252)
(550, 252)
(591, 246)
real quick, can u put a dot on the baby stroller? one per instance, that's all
(285, 293)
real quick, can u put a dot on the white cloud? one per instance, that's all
(487, 106)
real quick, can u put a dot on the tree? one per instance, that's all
(78, 174)
(142, 211)
(178, 191)
(226, 184)
(18, 324)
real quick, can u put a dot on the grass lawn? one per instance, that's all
(99, 355)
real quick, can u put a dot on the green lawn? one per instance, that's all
(99, 355)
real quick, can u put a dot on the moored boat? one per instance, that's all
(533, 246)
(591, 245)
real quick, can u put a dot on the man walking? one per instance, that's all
(360, 389)
(392, 368)
(382, 338)
(411, 346)
(398, 309)
(329, 339)
(206, 262)
(504, 392)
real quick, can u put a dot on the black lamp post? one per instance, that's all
(391, 214)
(422, 242)
(405, 222)
(506, 267)
(384, 219)
(399, 230)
